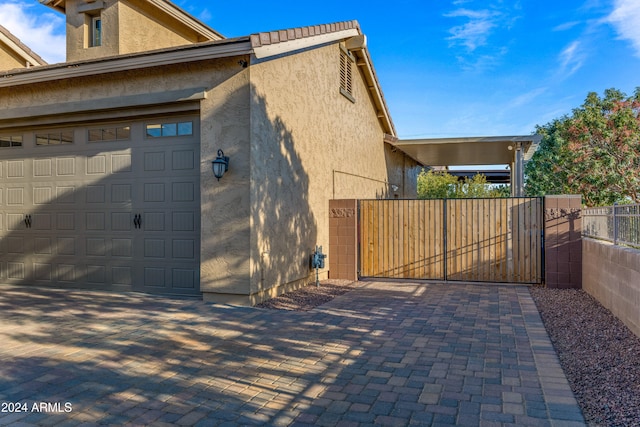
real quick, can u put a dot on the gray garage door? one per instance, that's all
(107, 206)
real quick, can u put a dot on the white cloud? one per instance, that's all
(571, 59)
(527, 97)
(475, 32)
(626, 20)
(38, 27)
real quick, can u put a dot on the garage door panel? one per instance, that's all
(96, 274)
(15, 221)
(183, 192)
(120, 163)
(15, 270)
(97, 165)
(42, 168)
(122, 275)
(154, 248)
(154, 192)
(121, 193)
(183, 221)
(121, 221)
(43, 246)
(154, 161)
(65, 221)
(15, 196)
(121, 247)
(183, 160)
(183, 248)
(95, 221)
(15, 244)
(153, 221)
(42, 195)
(96, 247)
(66, 273)
(66, 194)
(185, 278)
(42, 271)
(65, 166)
(154, 277)
(95, 193)
(66, 246)
(15, 169)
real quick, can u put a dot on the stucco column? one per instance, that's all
(343, 239)
(563, 241)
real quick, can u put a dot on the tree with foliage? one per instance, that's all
(442, 185)
(594, 152)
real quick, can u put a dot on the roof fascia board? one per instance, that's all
(186, 19)
(376, 92)
(19, 50)
(115, 64)
(280, 48)
(129, 101)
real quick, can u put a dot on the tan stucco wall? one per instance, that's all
(78, 31)
(611, 274)
(142, 28)
(127, 27)
(8, 59)
(309, 144)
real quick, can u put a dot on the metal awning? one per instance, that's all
(477, 150)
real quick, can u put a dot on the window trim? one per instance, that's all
(95, 30)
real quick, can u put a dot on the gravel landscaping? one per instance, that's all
(598, 353)
(309, 297)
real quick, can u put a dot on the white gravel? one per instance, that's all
(598, 353)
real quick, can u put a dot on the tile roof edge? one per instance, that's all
(279, 36)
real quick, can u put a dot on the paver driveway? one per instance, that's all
(384, 353)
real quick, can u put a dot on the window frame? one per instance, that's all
(95, 30)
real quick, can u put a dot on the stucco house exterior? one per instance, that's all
(106, 160)
(15, 54)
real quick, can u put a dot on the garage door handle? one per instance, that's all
(137, 221)
(27, 221)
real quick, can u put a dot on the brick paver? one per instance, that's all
(384, 353)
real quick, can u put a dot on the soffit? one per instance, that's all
(490, 150)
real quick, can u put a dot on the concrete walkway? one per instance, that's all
(385, 353)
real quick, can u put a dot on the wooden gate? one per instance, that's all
(476, 240)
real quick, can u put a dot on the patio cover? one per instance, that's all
(477, 150)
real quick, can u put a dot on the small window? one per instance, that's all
(96, 31)
(158, 130)
(10, 141)
(56, 138)
(346, 73)
(109, 134)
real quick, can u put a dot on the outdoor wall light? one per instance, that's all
(220, 165)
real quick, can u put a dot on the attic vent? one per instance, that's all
(346, 73)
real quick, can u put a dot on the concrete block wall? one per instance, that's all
(343, 239)
(611, 274)
(563, 241)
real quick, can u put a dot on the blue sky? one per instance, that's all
(447, 67)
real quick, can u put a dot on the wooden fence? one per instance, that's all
(487, 240)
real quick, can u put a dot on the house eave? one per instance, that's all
(191, 53)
